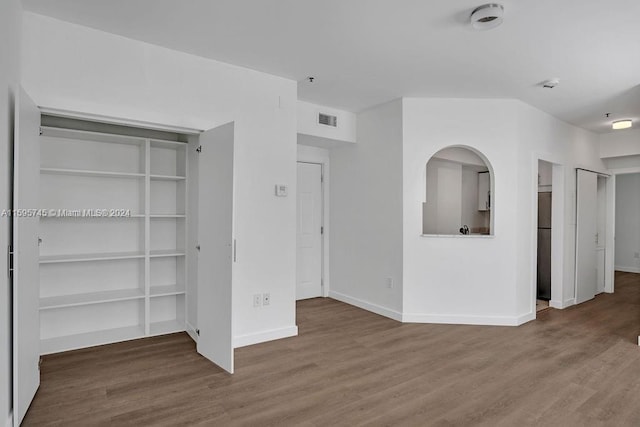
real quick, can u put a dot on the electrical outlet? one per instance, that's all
(257, 300)
(636, 255)
(266, 299)
(389, 282)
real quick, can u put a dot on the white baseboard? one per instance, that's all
(524, 318)
(627, 269)
(264, 336)
(562, 304)
(374, 308)
(456, 319)
(191, 331)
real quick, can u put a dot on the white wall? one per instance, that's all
(308, 122)
(80, 69)
(10, 18)
(487, 280)
(545, 176)
(443, 207)
(620, 143)
(628, 223)
(460, 279)
(542, 136)
(366, 213)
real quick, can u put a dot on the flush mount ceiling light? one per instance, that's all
(487, 16)
(621, 124)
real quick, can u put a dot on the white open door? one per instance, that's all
(217, 249)
(586, 234)
(309, 236)
(26, 276)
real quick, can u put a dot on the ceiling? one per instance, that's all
(365, 52)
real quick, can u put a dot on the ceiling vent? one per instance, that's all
(328, 120)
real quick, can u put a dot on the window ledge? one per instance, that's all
(460, 236)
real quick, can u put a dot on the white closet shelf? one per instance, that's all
(166, 290)
(166, 253)
(167, 178)
(162, 143)
(90, 136)
(90, 339)
(106, 256)
(166, 327)
(62, 301)
(79, 172)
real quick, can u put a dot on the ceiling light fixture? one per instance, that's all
(621, 124)
(487, 16)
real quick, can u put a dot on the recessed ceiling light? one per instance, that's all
(621, 124)
(487, 16)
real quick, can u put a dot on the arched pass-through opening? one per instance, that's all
(459, 194)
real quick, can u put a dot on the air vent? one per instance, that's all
(327, 120)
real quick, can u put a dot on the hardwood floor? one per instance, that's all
(579, 366)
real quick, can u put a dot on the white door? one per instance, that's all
(601, 230)
(217, 251)
(309, 252)
(586, 235)
(26, 276)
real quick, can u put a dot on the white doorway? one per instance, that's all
(548, 289)
(310, 231)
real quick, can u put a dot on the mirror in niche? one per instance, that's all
(459, 195)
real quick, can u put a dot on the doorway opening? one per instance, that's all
(548, 194)
(544, 234)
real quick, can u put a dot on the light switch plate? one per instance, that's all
(281, 190)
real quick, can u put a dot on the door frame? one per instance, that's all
(320, 156)
(557, 232)
(609, 269)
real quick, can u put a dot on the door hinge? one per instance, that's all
(235, 251)
(198, 247)
(199, 149)
(321, 230)
(10, 261)
(322, 177)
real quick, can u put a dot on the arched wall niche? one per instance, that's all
(459, 193)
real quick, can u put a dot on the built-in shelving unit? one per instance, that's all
(119, 276)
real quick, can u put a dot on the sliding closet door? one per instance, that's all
(217, 251)
(26, 276)
(586, 235)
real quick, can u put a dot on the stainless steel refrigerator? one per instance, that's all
(544, 245)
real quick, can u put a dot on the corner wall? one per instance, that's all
(489, 280)
(10, 19)
(366, 213)
(76, 68)
(460, 279)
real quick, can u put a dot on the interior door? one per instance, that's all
(26, 276)
(217, 247)
(586, 235)
(309, 235)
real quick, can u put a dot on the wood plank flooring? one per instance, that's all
(573, 367)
